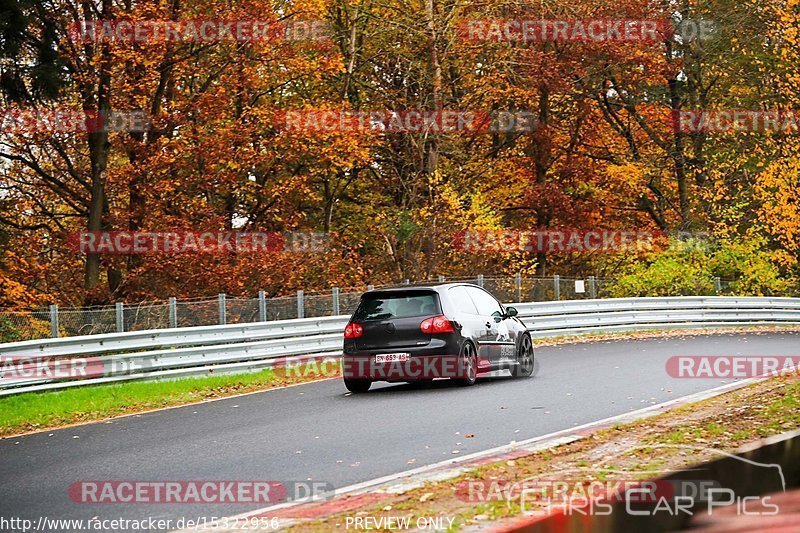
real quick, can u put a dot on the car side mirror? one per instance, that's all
(511, 311)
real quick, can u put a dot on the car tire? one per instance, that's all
(357, 386)
(526, 361)
(469, 358)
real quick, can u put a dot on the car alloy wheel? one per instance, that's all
(525, 359)
(468, 361)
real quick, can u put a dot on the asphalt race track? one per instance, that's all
(318, 431)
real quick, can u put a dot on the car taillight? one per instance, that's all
(437, 324)
(353, 331)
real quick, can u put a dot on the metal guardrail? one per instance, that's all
(210, 350)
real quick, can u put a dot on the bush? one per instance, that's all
(21, 327)
(8, 333)
(688, 267)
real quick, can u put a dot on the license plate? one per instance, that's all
(392, 357)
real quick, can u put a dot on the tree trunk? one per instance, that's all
(678, 156)
(98, 155)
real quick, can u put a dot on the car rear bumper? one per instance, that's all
(438, 359)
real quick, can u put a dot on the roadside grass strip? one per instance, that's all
(37, 411)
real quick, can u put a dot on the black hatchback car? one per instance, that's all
(454, 330)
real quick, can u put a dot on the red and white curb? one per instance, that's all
(373, 491)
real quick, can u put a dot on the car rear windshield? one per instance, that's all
(386, 305)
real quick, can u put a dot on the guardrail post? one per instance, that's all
(370, 287)
(120, 313)
(406, 282)
(556, 287)
(262, 306)
(717, 285)
(592, 288)
(301, 306)
(54, 321)
(441, 279)
(173, 312)
(335, 295)
(480, 280)
(223, 309)
(518, 285)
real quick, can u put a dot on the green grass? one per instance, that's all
(781, 414)
(714, 429)
(39, 410)
(676, 437)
